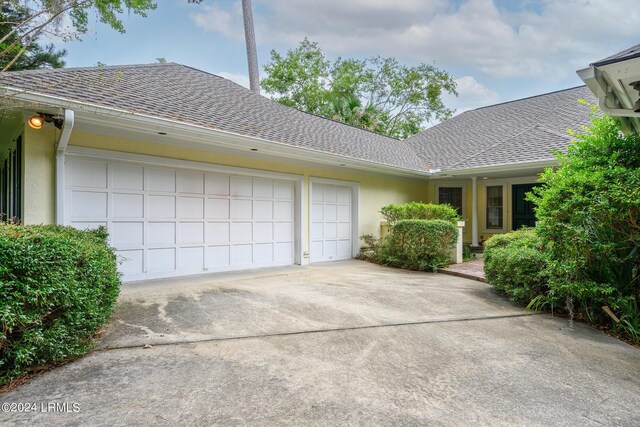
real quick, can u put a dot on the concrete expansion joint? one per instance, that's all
(318, 331)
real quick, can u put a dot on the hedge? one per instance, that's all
(418, 244)
(417, 210)
(516, 264)
(58, 286)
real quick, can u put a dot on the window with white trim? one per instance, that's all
(495, 214)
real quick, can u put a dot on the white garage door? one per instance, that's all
(168, 222)
(331, 222)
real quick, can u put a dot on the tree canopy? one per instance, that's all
(376, 93)
(23, 22)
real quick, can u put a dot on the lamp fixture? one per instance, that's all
(38, 120)
(636, 86)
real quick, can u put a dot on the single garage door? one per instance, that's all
(168, 222)
(331, 222)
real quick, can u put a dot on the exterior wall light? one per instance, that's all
(40, 119)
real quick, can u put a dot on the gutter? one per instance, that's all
(67, 127)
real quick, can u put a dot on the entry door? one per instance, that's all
(523, 210)
(331, 222)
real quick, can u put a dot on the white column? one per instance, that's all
(474, 211)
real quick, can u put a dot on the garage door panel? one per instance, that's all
(160, 180)
(263, 188)
(263, 232)
(217, 208)
(283, 190)
(87, 173)
(217, 232)
(161, 233)
(131, 262)
(173, 221)
(262, 209)
(190, 232)
(263, 253)
(127, 234)
(219, 256)
(127, 205)
(128, 177)
(344, 213)
(344, 230)
(241, 186)
(88, 204)
(161, 206)
(241, 209)
(283, 211)
(190, 182)
(242, 255)
(344, 248)
(330, 213)
(217, 184)
(191, 259)
(162, 260)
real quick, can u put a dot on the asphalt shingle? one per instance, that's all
(184, 94)
(525, 130)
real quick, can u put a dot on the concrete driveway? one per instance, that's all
(333, 344)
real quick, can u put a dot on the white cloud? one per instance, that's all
(471, 94)
(544, 39)
(241, 79)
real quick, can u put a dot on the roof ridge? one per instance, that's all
(95, 67)
(524, 99)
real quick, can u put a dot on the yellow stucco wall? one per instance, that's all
(39, 175)
(375, 190)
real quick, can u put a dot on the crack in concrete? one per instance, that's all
(317, 331)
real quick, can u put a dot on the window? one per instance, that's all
(494, 207)
(451, 196)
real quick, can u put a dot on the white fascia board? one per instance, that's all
(135, 121)
(505, 167)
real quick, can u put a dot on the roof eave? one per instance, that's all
(224, 139)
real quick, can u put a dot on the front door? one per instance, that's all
(523, 210)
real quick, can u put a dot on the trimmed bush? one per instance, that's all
(58, 286)
(417, 210)
(418, 244)
(516, 264)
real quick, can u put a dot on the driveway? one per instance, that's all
(333, 344)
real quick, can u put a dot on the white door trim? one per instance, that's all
(355, 207)
(297, 180)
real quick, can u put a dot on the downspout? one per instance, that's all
(61, 147)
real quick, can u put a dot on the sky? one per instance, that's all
(497, 50)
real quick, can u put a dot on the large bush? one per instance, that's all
(58, 286)
(515, 263)
(417, 210)
(589, 218)
(418, 244)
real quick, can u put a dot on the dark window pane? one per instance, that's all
(451, 196)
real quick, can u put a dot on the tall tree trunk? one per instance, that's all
(250, 37)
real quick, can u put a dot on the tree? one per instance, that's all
(589, 219)
(34, 55)
(34, 18)
(395, 99)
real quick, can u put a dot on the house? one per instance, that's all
(615, 81)
(192, 173)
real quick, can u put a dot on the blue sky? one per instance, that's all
(498, 50)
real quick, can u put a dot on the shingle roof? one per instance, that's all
(525, 130)
(630, 53)
(184, 94)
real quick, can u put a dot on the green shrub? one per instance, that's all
(58, 286)
(417, 210)
(589, 217)
(418, 244)
(516, 264)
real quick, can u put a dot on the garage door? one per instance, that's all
(331, 222)
(167, 222)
